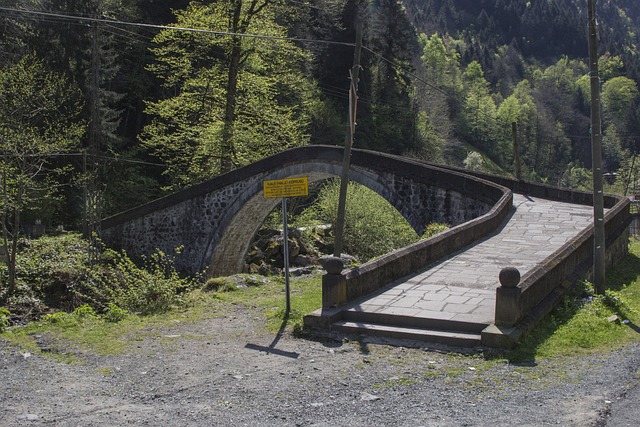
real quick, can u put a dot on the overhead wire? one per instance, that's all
(114, 25)
(170, 27)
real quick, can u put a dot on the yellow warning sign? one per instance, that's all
(289, 187)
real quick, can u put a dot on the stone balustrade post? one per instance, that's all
(508, 307)
(334, 284)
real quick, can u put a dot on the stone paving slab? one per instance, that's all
(462, 287)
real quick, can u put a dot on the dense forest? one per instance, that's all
(105, 104)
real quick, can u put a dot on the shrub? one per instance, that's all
(85, 311)
(114, 313)
(153, 289)
(372, 226)
(219, 284)
(433, 229)
(4, 319)
(66, 273)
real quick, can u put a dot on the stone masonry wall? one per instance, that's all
(214, 222)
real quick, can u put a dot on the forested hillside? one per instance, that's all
(154, 95)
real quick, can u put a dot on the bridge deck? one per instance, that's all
(462, 287)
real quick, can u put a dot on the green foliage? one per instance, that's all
(64, 273)
(206, 117)
(39, 113)
(114, 314)
(155, 288)
(442, 62)
(372, 226)
(577, 177)
(78, 317)
(474, 162)
(433, 229)
(219, 284)
(85, 311)
(582, 322)
(4, 319)
(618, 96)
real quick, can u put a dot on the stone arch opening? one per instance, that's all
(230, 243)
(216, 220)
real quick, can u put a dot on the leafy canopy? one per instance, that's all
(273, 99)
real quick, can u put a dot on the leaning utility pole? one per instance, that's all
(95, 128)
(596, 150)
(348, 143)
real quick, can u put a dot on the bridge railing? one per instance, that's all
(560, 270)
(519, 308)
(369, 277)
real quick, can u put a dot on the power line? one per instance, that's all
(404, 70)
(101, 157)
(82, 19)
(113, 22)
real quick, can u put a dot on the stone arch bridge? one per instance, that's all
(214, 222)
(442, 289)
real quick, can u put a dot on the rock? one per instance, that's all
(28, 417)
(255, 256)
(333, 265)
(302, 260)
(367, 397)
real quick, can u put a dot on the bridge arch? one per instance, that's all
(215, 221)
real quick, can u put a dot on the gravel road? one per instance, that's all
(227, 371)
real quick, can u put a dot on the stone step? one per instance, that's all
(415, 322)
(452, 338)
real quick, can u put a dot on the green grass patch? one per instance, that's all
(83, 330)
(269, 300)
(582, 323)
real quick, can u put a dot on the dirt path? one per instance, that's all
(223, 371)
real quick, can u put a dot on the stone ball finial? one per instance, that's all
(333, 265)
(509, 277)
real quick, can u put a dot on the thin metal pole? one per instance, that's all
(344, 178)
(596, 149)
(285, 232)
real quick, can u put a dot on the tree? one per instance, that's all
(229, 100)
(479, 111)
(618, 96)
(39, 113)
(388, 121)
(437, 94)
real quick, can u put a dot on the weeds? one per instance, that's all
(59, 273)
(4, 319)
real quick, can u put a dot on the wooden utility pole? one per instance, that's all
(516, 151)
(596, 150)
(348, 143)
(95, 129)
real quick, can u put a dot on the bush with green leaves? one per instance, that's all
(433, 229)
(64, 273)
(372, 226)
(4, 319)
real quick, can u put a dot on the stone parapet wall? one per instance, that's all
(382, 271)
(540, 289)
(213, 223)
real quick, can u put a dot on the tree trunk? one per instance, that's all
(228, 149)
(238, 25)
